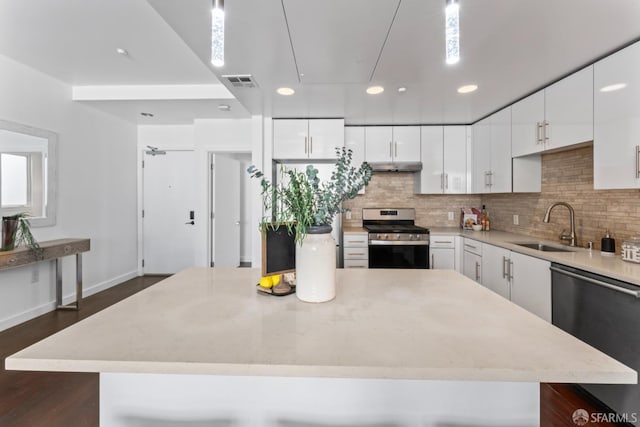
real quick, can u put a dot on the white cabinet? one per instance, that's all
(444, 160)
(392, 144)
(354, 141)
(616, 143)
(495, 265)
(558, 116)
(355, 250)
(531, 284)
(307, 139)
(491, 153)
(443, 252)
(472, 259)
(524, 280)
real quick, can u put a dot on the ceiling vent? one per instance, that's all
(241, 80)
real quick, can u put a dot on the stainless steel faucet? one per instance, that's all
(571, 237)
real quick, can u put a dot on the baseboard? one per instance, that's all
(51, 306)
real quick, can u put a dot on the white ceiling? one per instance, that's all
(509, 49)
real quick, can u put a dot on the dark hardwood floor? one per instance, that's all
(51, 399)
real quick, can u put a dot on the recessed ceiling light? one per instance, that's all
(286, 91)
(143, 114)
(467, 88)
(122, 51)
(613, 87)
(374, 90)
(224, 107)
(402, 89)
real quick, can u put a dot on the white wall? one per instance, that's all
(96, 191)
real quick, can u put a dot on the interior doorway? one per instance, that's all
(229, 210)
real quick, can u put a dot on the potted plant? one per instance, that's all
(16, 232)
(307, 206)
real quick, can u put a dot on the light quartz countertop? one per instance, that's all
(399, 324)
(584, 259)
(350, 230)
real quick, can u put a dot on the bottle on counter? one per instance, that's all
(483, 217)
(487, 223)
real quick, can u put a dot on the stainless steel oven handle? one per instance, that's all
(398, 243)
(597, 282)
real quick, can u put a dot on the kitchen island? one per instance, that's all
(397, 347)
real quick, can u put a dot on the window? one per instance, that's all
(15, 179)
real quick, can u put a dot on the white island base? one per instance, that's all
(137, 400)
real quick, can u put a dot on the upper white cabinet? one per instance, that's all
(491, 154)
(444, 160)
(392, 143)
(616, 143)
(307, 139)
(354, 140)
(558, 116)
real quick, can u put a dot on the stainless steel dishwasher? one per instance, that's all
(604, 313)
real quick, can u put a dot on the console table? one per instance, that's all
(51, 250)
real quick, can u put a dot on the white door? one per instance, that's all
(378, 143)
(455, 159)
(432, 174)
(406, 143)
(495, 268)
(169, 216)
(225, 208)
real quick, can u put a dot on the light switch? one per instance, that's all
(516, 220)
(450, 216)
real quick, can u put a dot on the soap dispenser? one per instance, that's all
(608, 244)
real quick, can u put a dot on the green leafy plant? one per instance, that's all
(20, 235)
(300, 200)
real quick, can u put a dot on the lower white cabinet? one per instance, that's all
(443, 252)
(355, 250)
(472, 259)
(523, 279)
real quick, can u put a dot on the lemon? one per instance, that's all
(275, 279)
(266, 282)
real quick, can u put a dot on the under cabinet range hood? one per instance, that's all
(396, 167)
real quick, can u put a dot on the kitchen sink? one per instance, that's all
(542, 247)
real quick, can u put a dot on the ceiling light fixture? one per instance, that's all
(402, 89)
(374, 90)
(217, 33)
(285, 91)
(467, 88)
(122, 51)
(144, 114)
(613, 87)
(452, 32)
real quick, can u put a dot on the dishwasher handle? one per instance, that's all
(635, 294)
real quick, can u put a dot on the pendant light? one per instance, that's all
(452, 32)
(217, 33)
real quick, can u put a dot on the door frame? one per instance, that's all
(210, 201)
(140, 192)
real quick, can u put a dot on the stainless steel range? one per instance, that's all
(394, 239)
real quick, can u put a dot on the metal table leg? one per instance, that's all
(74, 305)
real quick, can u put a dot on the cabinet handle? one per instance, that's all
(391, 149)
(433, 263)
(310, 145)
(306, 145)
(357, 253)
(356, 241)
(470, 246)
(637, 161)
(544, 131)
(538, 133)
(510, 270)
(504, 268)
(442, 181)
(395, 145)
(444, 241)
(446, 181)
(477, 271)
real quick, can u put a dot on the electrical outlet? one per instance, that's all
(450, 216)
(348, 214)
(35, 274)
(516, 220)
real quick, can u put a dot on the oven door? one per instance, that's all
(401, 254)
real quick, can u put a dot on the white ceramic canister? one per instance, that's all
(316, 265)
